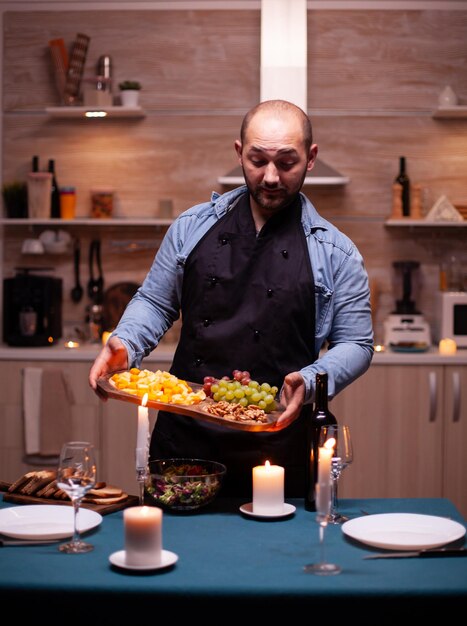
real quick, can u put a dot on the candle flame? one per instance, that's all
(330, 443)
(267, 464)
(144, 401)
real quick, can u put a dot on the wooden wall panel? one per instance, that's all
(373, 79)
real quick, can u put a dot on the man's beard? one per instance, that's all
(278, 201)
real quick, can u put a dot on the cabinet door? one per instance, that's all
(84, 414)
(394, 412)
(455, 439)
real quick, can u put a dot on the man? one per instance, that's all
(262, 282)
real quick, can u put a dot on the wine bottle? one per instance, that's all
(403, 180)
(321, 416)
(35, 163)
(55, 193)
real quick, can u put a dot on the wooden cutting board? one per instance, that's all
(197, 411)
(103, 509)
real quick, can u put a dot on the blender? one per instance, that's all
(405, 329)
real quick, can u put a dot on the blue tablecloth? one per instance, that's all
(232, 563)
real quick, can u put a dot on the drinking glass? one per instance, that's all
(323, 510)
(76, 475)
(342, 458)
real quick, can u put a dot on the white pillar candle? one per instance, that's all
(447, 346)
(323, 487)
(142, 437)
(268, 489)
(143, 535)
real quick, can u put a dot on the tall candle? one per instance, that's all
(268, 489)
(142, 437)
(324, 484)
(143, 535)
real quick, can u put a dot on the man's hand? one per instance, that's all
(111, 358)
(292, 397)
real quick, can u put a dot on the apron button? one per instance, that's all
(285, 254)
(207, 322)
(198, 362)
(213, 281)
(256, 335)
(270, 293)
(224, 241)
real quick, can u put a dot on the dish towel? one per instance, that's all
(47, 405)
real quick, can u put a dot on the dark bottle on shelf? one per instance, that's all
(55, 193)
(403, 180)
(321, 416)
(35, 163)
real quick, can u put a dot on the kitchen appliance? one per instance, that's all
(405, 329)
(452, 317)
(32, 308)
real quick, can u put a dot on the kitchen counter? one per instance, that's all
(164, 353)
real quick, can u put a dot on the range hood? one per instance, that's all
(284, 74)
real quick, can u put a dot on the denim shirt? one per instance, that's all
(344, 333)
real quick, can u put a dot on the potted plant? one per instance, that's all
(129, 92)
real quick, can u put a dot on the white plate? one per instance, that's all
(403, 531)
(119, 559)
(248, 510)
(45, 521)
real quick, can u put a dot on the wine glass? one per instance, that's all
(342, 458)
(76, 475)
(323, 509)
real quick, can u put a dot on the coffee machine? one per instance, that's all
(406, 329)
(32, 308)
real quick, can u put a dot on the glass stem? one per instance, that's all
(76, 503)
(333, 512)
(322, 526)
(141, 492)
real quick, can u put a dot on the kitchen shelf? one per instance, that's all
(459, 111)
(114, 221)
(408, 222)
(80, 112)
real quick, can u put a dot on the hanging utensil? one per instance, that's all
(96, 282)
(77, 291)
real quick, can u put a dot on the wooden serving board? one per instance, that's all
(198, 411)
(103, 509)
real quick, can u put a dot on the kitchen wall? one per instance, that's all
(375, 71)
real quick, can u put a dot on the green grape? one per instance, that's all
(262, 404)
(239, 393)
(215, 388)
(216, 397)
(255, 398)
(268, 398)
(265, 387)
(243, 401)
(254, 384)
(229, 396)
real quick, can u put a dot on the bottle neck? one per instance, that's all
(402, 165)
(321, 392)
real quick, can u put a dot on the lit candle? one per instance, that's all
(268, 489)
(142, 437)
(324, 484)
(447, 346)
(143, 535)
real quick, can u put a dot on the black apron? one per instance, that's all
(248, 304)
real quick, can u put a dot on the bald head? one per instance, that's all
(280, 109)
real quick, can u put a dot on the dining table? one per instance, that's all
(229, 565)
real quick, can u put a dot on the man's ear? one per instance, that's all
(238, 150)
(312, 157)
